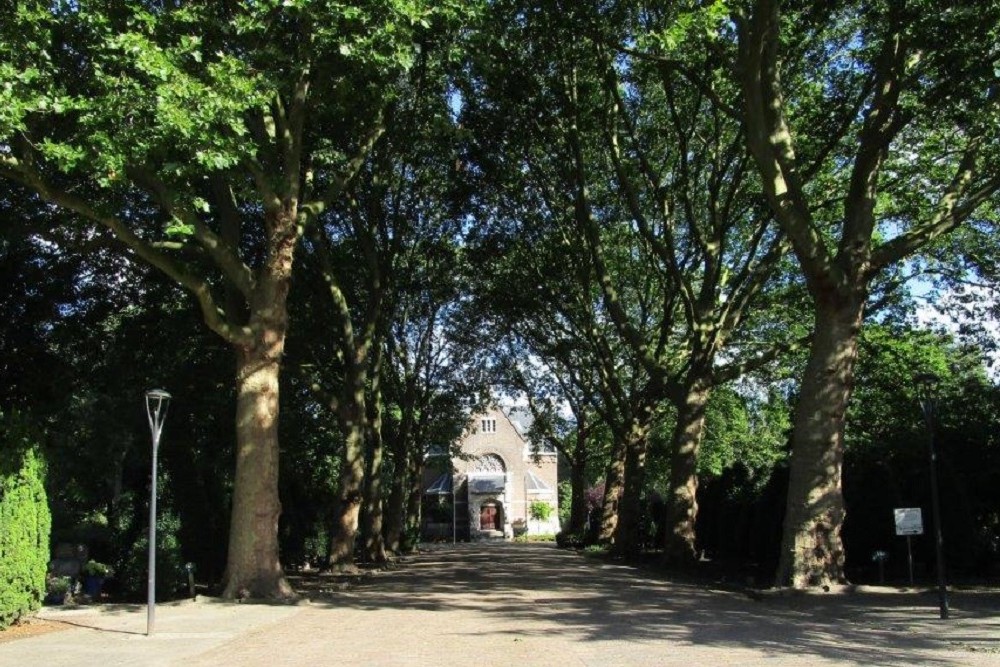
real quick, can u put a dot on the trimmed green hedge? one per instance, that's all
(25, 522)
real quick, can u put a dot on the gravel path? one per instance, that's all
(526, 605)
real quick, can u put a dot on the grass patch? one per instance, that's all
(548, 537)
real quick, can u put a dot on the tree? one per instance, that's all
(434, 376)
(206, 145)
(398, 203)
(519, 104)
(657, 182)
(684, 180)
(872, 128)
(535, 297)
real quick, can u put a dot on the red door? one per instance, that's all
(488, 517)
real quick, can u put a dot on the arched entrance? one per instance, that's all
(491, 515)
(487, 484)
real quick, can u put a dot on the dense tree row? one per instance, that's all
(664, 224)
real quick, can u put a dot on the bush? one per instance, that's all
(25, 522)
(567, 540)
(539, 510)
(547, 537)
(58, 590)
(93, 568)
(565, 492)
(133, 570)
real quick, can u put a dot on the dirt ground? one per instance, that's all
(31, 627)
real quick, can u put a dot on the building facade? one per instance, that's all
(499, 484)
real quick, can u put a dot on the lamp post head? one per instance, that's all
(157, 402)
(158, 395)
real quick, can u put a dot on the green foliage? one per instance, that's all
(565, 501)
(695, 23)
(58, 586)
(93, 568)
(547, 537)
(750, 431)
(886, 459)
(540, 510)
(170, 574)
(597, 550)
(179, 85)
(24, 521)
(888, 359)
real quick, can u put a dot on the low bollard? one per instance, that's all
(189, 568)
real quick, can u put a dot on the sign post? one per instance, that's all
(909, 522)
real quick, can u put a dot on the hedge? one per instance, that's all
(25, 521)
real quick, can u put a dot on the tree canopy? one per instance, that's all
(691, 238)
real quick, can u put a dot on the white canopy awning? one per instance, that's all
(442, 486)
(535, 484)
(487, 483)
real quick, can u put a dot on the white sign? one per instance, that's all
(909, 521)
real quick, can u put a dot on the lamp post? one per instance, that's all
(157, 402)
(927, 394)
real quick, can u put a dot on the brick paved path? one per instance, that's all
(525, 605)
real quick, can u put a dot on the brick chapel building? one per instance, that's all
(494, 476)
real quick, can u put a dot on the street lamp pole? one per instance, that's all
(157, 402)
(926, 387)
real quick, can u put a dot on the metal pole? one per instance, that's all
(151, 582)
(909, 556)
(157, 402)
(938, 539)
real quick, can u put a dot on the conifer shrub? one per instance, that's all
(25, 521)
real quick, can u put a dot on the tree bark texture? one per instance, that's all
(413, 502)
(351, 485)
(374, 545)
(812, 553)
(680, 547)
(628, 534)
(252, 568)
(614, 486)
(350, 489)
(252, 565)
(395, 511)
(578, 491)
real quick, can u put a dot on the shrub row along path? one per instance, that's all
(525, 605)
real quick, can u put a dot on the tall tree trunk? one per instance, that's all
(395, 513)
(252, 566)
(349, 495)
(374, 545)
(614, 486)
(578, 478)
(811, 550)
(628, 541)
(402, 476)
(414, 499)
(682, 504)
(351, 484)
